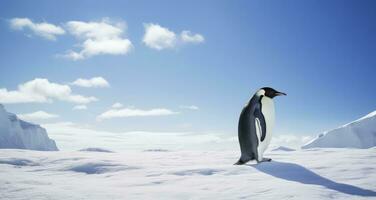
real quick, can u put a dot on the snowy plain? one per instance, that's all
(316, 173)
(189, 166)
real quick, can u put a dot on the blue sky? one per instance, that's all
(321, 53)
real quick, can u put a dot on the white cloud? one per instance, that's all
(93, 82)
(45, 30)
(38, 115)
(80, 107)
(191, 107)
(41, 90)
(103, 37)
(188, 37)
(132, 112)
(117, 105)
(158, 37)
(73, 55)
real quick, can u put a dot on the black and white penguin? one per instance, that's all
(256, 124)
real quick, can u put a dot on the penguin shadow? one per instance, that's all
(300, 174)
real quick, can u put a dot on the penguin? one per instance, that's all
(256, 124)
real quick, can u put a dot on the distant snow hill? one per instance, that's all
(282, 148)
(19, 134)
(96, 149)
(360, 134)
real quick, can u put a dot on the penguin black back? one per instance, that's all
(248, 142)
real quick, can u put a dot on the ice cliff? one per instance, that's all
(18, 134)
(360, 134)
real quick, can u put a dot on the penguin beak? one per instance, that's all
(280, 94)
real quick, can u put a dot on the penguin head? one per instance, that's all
(270, 92)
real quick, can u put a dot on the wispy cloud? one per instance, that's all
(80, 107)
(159, 38)
(117, 105)
(42, 90)
(133, 112)
(93, 82)
(189, 107)
(188, 37)
(38, 115)
(44, 29)
(98, 37)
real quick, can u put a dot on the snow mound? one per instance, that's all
(156, 150)
(95, 149)
(98, 168)
(283, 148)
(19, 134)
(360, 134)
(203, 172)
(18, 162)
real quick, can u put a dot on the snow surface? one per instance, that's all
(19, 134)
(360, 134)
(302, 174)
(97, 149)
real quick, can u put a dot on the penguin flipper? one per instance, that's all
(260, 122)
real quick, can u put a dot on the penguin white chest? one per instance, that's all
(267, 110)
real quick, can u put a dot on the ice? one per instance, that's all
(360, 134)
(18, 134)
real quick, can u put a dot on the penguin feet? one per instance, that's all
(264, 160)
(240, 162)
(243, 161)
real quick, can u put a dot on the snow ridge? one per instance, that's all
(360, 134)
